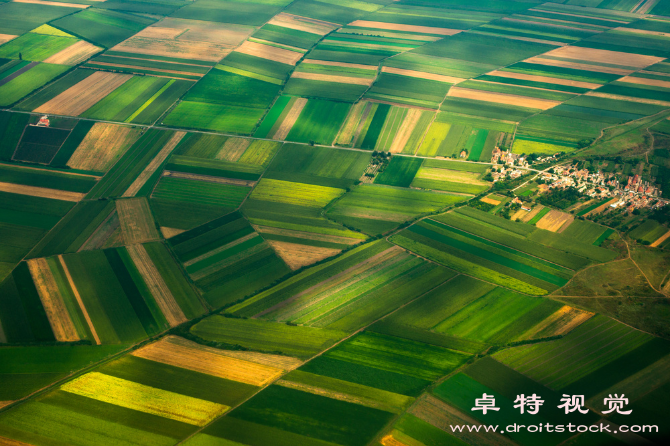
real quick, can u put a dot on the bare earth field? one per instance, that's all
(189, 355)
(52, 301)
(408, 28)
(296, 256)
(76, 100)
(159, 289)
(578, 66)
(102, 146)
(645, 81)
(554, 220)
(269, 52)
(75, 54)
(290, 119)
(305, 24)
(587, 55)
(422, 75)
(405, 131)
(188, 39)
(47, 3)
(501, 98)
(41, 192)
(6, 38)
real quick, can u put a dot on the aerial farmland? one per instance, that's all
(334, 222)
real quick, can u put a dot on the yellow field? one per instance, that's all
(555, 220)
(43, 192)
(259, 153)
(189, 355)
(660, 240)
(49, 30)
(296, 256)
(8, 441)
(524, 146)
(279, 361)
(436, 133)
(132, 395)
(102, 147)
(295, 193)
(390, 440)
(453, 176)
(171, 232)
(529, 215)
(490, 201)
(137, 223)
(52, 301)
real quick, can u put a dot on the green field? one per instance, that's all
(102, 26)
(28, 81)
(318, 165)
(267, 336)
(319, 122)
(506, 255)
(400, 172)
(561, 363)
(226, 259)
(376, 209)
(35, 47)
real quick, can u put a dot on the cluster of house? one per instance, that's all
(506, 157)
(635, 194)
(504, 171)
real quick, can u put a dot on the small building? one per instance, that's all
(44, 121)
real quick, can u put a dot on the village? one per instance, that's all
(634, 193)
